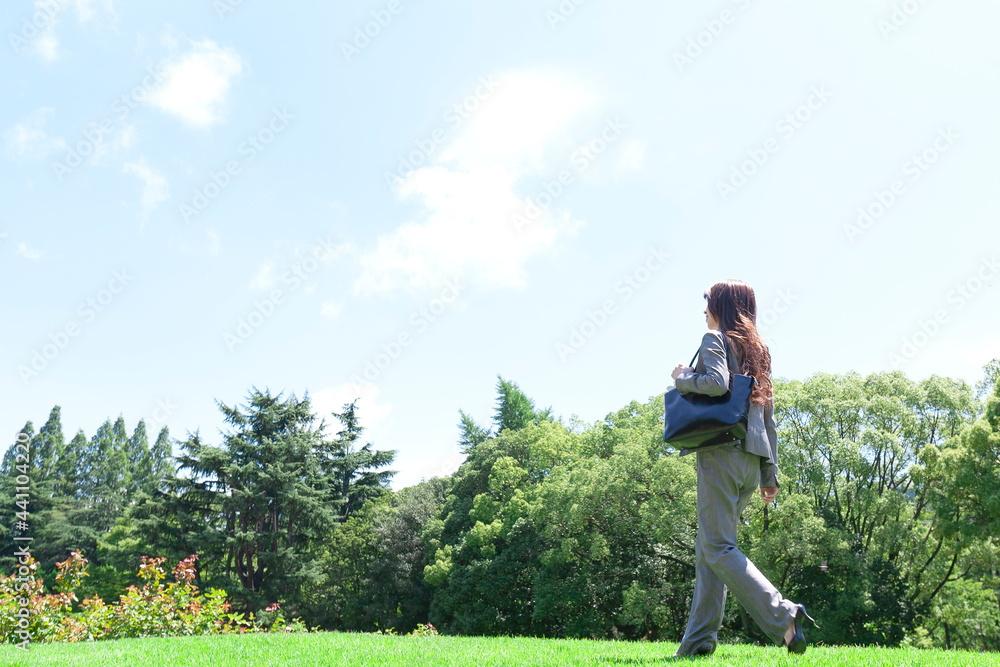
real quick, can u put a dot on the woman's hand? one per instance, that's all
(768, 494)
(681, 368)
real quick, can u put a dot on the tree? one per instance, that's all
(373, 564)
(354, 471)
(472, 433)
(483, 545)
(8, 491)
(106, 477)
(160, 461)
(257, 502)
(854, 447)
(514, 409)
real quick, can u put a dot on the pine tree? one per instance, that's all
(68, 466)
(9, 472)
(46, 446)
(160, 460)
(253, 506)
(514, 409)
(472, 433)
(140, 458)
(354, 469)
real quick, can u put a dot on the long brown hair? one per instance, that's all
(733, 304)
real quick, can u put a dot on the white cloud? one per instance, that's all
(328, 401)
(47, 14)
(47, 44)
(196, 84)
(266, 278)
(29, 139)
(155, 189)
(513, 126)
(331, 310)
(28, 253)
(122, 138)
(197, 247)
(469, 192)
(411, 472)
(632, 157)
(214, 241)
(301, 270)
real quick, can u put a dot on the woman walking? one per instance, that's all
(729, 474)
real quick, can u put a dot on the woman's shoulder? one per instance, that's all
(713, 340)
(712, 336)
(716, 340)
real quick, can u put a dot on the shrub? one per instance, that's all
(27, 613)
(155, 610)
(425, 631)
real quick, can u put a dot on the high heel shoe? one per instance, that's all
(798, 643)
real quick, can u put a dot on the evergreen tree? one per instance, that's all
(472, 434)
(514, 409)
(140, 458)
(46, 446)
(68, 466)
(107, 478)
(160, 460)
(8, 492)
(256, 504)
(355, 470)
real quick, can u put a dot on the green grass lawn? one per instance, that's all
(322, 649)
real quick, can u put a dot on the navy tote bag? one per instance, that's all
(692, 420)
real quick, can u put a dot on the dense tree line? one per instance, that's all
(254, 508)
(887, 524)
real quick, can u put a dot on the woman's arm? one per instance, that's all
(769, 469)
(711, 376)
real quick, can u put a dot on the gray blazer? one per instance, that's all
(711, 376)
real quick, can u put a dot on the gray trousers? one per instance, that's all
(727, 480)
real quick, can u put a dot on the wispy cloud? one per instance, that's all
(267, 276)
(469, 192)
(330, 310)
(48, 13)
(632, 157)
(330, 400)
(29, 139)
(28, 253)
(155, 187)
(196, 83)
(121, 141)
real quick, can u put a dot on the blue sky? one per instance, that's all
(401, 200)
